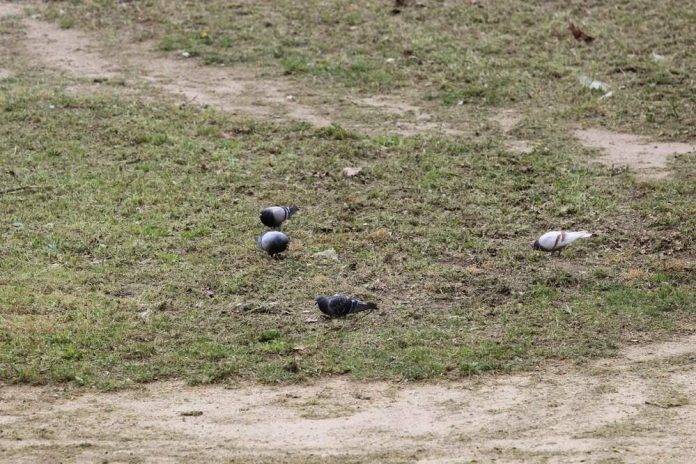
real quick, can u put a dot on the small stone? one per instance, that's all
(656, 57)
(328, 254)
(351, 172)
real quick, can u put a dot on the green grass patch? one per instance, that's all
(132, 258)
(128, 228)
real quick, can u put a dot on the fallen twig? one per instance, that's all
(579, 34)
(666, 405)
(33, 188)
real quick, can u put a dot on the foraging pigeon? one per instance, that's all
(273, 242)
(558, 239)
(274, 216)
(341, 305)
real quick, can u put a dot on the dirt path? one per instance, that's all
(638, 407)
(230, 89)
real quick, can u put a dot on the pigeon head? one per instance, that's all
(536, 245)
(267, 218)
(277, 246)
(323, 304)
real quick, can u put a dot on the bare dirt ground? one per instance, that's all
(637, 407)
(647, 158)
(507, 119)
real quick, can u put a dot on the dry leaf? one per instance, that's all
(579, 34)
(635, 274)
(379, 236)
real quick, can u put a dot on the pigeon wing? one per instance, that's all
(340, 305)
(550, 240)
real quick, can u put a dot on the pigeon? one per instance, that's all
(342, 305)
(274, 216)
(273, 242)
(558, 239)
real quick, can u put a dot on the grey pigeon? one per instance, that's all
(556, 240)
(274, 216)
(341, 305)
(273, 242)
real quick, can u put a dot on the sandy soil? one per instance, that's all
(647, 158)
(637, 407)
(507, 119)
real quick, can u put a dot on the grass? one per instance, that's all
(131, 256)
(501, 53)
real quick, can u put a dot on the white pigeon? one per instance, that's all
(556, 240)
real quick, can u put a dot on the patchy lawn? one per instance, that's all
(128, 228)
(495, 53)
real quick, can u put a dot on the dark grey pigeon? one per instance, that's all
(274, 216)
(341, 305)
(273, 242)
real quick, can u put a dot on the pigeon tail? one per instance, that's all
(579, 234)
(359, 306)
(290, 210)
